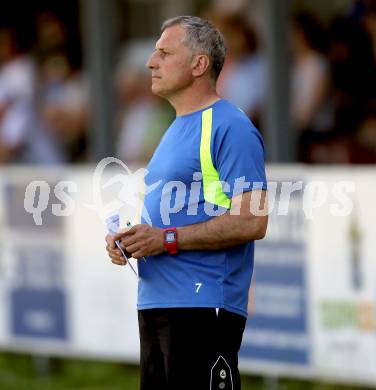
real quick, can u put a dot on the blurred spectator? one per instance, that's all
(310, 81)
(226, 7)
(63, 102)
(144, 117)
(51, 35)
(335, 130)
(364, 146)
(353, 73)
(369, 21)
(22, 138)
(365, 136)
(63, 95)
(242, 80)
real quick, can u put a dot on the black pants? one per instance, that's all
(190, 348)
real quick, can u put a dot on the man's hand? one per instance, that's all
(142, 240)
(114, 252)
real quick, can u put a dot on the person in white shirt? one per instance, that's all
(22, 138)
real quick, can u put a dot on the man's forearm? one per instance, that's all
(221, 232)
(246, 221)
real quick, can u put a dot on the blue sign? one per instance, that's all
(39, 313)
(38, 299)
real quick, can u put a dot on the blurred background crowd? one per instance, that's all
(45, 99)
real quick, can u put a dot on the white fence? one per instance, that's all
(312, 304)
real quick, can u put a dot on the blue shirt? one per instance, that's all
(200, 278)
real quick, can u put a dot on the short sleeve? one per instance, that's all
(238, 156)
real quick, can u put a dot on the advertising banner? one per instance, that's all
(343, 281)
(312, 306)
(277, 335)
(59, 292)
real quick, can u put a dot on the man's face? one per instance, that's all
(171, 63)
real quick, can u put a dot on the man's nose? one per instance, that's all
(151, 63)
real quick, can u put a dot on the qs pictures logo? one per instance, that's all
(131, 193)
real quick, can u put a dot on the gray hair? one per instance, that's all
(202, 37)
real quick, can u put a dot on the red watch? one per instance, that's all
(170, 241)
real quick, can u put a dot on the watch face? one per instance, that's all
(170, 236)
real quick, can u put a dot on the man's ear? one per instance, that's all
(200, 64)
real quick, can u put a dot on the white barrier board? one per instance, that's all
(313, 298)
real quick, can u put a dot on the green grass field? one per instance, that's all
(22, 372)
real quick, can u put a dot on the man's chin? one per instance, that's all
(157, 91)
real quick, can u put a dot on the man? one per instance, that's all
(193, 288)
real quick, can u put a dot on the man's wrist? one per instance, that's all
(184, 233)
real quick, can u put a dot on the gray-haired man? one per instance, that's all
(193, 289)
